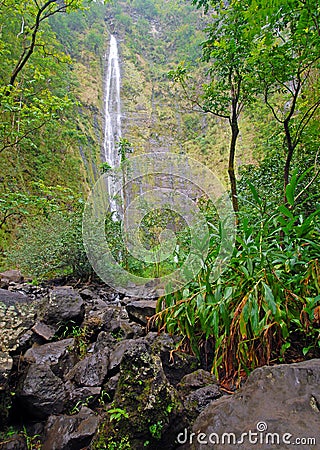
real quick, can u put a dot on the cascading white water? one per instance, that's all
(112, 130)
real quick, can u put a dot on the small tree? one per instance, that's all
(230, 88)
(287, 58)
(276, 42)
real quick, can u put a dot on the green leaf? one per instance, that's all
(306, 350)
(254, 317)
(255, 193)
(214, 322)
(228, 292)
(290, 194)
(291, 187)
(285, 211)
(270, 298)
(243, 326)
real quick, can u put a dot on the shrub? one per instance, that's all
(51, 246)
(268, 297)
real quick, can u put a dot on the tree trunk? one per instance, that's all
(232, 153)
(290, 150)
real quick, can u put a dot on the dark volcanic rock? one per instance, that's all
(87, 294)
(91, 371)
(17, 316)
(193, 381)
(141, 310)
(110, 386)
(10, 276)
(197, 390)
(144, 392)
(44, 331)
(70, 432)
(116, 322)
(63, 305)
(41, 392)
(197, 400)
(58, 355)
(10, 298)
(175, 364)
(83, 395)
(117, 353)
(282, 400)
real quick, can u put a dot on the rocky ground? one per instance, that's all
(80, 370)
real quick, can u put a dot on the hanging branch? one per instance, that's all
(27, 133)
(313, 179)
(44, 12)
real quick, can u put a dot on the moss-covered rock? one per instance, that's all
(17, 316)
(148, 406)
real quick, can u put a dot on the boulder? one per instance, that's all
(141, 310)
(117, 353)
(112, 317)
(58, 355)
(70, 432)
(10, 298)
(81, 395)
(44, 331)
(10, 276)
(62, 305)
(197, 400)
(150, 403)
(104, 340)
(87, 294)
(17, 316)
(110, 387)
(197, 390)
(41, 392)
(91, 371)
(176, 364)
(116, 322)
(193, 381)
(277, 406)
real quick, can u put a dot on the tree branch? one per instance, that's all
(42, 15)
(313, 179)
(23, 136)
(266, 100)
(305, 120)
(196, 102)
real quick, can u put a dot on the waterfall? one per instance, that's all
(112, 116)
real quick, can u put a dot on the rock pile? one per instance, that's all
(79, 370)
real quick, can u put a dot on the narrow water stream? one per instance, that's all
(112, 129)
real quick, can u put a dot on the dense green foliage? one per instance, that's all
(265, 306)
(268, 295)
(46, 125)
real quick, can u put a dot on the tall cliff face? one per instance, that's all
(154, 36)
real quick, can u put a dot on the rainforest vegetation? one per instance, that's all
(234, 84)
